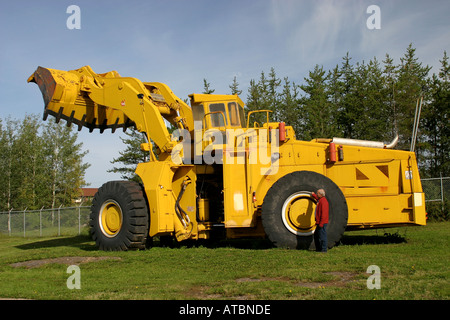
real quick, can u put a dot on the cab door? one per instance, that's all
(236, 188)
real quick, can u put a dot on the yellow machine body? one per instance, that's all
(216, 178)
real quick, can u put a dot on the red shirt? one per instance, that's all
(321, 211)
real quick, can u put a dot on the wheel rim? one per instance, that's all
(298, 213)
(110, 218)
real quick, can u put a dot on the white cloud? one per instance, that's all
(316, 32)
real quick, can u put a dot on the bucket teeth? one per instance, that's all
(66, 97)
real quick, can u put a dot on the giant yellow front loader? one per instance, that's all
(221, 174)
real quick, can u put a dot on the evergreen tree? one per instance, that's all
(380, 124)
(264, 95)
(346, 111)
(436, 122)
(131, 156)
(254, 102)
(357, 104)
(411, 85)
(369, 103)
(390, 80)
(335, 93)
(235, 87)
(272, 95)
(319, 120)
(206, 87)
(288, 105)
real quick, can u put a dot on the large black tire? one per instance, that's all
(298, 233)
(119, 217)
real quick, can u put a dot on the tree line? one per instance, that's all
(40, 165)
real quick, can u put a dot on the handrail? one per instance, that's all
(255, 111)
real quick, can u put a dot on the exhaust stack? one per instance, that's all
(366, 143)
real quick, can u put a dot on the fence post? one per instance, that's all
(59, 220)
(442, 193)
(79, 218)
(24, 221)
(40, 221)
(9, 221)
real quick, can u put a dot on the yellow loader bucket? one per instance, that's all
(66, 96)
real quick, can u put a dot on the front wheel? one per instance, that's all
(288, 210)
(119, 217)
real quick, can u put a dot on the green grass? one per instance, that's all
(414, 264)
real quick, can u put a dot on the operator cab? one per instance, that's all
(218, 111)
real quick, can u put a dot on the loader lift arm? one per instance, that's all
(101, 101)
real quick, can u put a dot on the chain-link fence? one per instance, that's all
(437, 197)
(45, 222)
(437, 189)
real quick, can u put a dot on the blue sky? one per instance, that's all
(180, 42)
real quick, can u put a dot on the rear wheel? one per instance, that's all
(119, 216)
(288, 210)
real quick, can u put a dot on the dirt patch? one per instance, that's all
(261, 279)
(62, 260)
(343, 278)
(199, 292)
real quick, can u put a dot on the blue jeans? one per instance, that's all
(320, 238)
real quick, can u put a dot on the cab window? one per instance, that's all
(233, 114)
(217, 118)
(242, 116)
(198, 111)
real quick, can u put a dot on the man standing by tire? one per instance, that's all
(322, 208)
